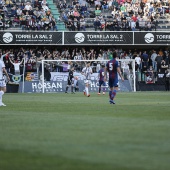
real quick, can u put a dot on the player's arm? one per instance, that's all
(120, 74)
(4, 55)
(4, 70)
(11, 60)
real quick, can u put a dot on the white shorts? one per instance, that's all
(87, 81)
(2, 83)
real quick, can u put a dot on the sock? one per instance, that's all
(71, 88)
(1, 94)
(99, 89)
(110, 95)
(66, 88)
(104, 89)
(87, 90)
(114, 93)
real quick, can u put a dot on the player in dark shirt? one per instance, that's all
(69, 80)
(101, 79)
(113, 68)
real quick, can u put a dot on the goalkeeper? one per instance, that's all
(69, 80)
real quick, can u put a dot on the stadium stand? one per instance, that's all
(110, 15)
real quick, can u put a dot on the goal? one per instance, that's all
(54, 74)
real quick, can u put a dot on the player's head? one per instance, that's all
(114, 54)
(103, 65)
(88, 64)
(72, 68)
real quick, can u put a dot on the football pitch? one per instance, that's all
(73, 132)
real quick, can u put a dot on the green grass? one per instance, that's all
(73, 132)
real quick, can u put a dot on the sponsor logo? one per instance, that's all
(79, 37)
(16, 78)
(149, 38)
(7, 37)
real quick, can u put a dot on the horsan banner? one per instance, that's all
(58, 83)
(31, 38)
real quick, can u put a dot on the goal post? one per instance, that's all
(127, 67)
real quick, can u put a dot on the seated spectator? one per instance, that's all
(70, 25)
(37, 4)
(44, 2)
(9, 3)
(2, 2)
(115, 4)
(104, 4)
(84, 11)
(19, 12)
(70, 14)
(91, 2)
(97, 24)
(21, 6)
(132, 25)
(1, 24)
(82, 24)
(53, 24)
(23, 22)
(103, 24)
(97, 4)
(97, 12)
(76, 14)
(64, 17)
(123, 9)
(76, 25)
(148, 25)
(74, 3)
(45, 7)
(28, 6)
(142, 24)
(13, 11)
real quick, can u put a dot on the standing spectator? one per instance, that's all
(145, 60)
(158, 60)
(138, 61)
(153, 57)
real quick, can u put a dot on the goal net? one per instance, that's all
(54, 75)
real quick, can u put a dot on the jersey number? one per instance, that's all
(110, 66)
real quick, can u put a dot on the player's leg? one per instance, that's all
(2, 91)
(99, 87)
(72, 86)
(114, 90)
(68, 85)
(87, 89)
(111, 92)
(104, 87)
(111, 89)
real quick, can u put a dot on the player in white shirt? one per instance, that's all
(2, 81)
(87, 71)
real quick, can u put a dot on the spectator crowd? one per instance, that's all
(113, 15)
(158, 60)
(32, 16)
